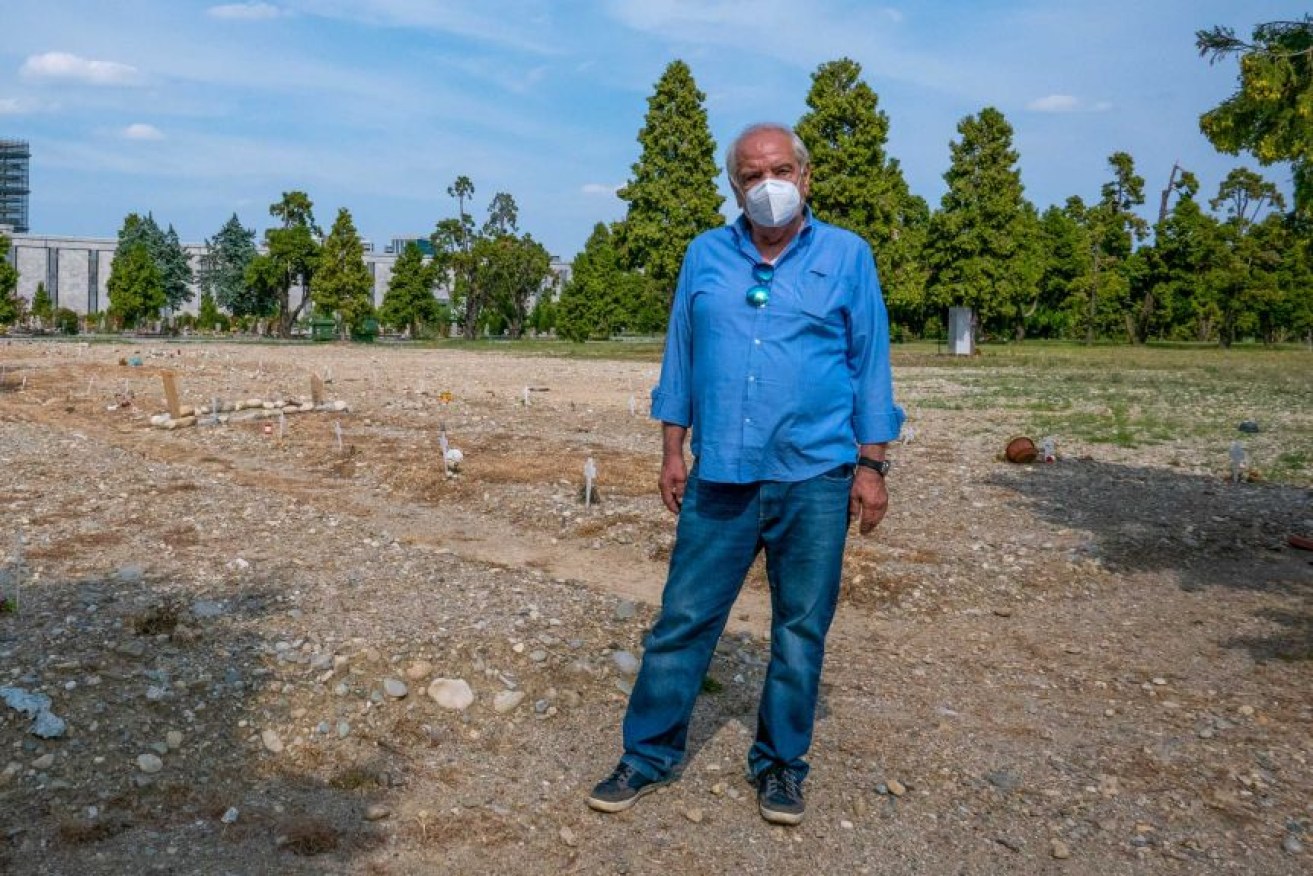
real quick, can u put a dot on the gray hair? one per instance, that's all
(800, 153)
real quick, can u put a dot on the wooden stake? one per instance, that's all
(171, 394)
(316, 389)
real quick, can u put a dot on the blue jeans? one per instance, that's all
(802, 526)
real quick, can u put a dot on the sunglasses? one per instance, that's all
(759, 293)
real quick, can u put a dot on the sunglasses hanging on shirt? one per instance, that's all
(759, 294)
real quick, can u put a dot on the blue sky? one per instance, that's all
(196, 110)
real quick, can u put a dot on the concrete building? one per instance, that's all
(75, 270)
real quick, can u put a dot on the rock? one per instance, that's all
(377, 812)
(568, 837)
(451, 693)
(694, 815)
(1004, 780)
(206, 608)
(395, 688)
(896, 787)
(625, 610)
(173, 738)
(271, 741)
(538, 656)
(625, 662)
(1059, 849)
(149, 763)
(44, 762)
(1292, 845)
(419, 670)
(132, 648)
(507, 701)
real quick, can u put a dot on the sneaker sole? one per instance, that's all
(774, 816)
(601, 805)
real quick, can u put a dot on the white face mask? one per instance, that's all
(772, 203)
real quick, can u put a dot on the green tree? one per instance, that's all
(11, 306)
(342, 284)
(513, 271)
(291, 259)
(602, 298)
(672, 193)
(43, 306)
(175, 271)
(409, 301)
(857, 185)
(1065, 254)
(223, 271)
(136, 290)
(1114, 228)
(983, 244)
(1268, 115)
(208, 316)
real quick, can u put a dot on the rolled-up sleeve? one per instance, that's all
(876, 419)
(672, 397)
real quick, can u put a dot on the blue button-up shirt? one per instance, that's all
(786, 391)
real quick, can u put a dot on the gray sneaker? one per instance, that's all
(779, 795)
(620, 790)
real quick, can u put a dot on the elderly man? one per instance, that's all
(777, 358)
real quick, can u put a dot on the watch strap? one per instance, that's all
(881, 466)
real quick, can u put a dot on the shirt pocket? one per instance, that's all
(823, 297)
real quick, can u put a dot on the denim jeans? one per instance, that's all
(802, 527)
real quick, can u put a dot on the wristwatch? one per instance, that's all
(881, 466)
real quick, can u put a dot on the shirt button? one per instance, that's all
(757, 341)
(752, 379)
(748, 420)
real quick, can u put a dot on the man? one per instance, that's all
(777, 357)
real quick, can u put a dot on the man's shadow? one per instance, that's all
(1206, 532)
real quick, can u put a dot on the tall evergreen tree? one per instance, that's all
(600, 296)
(982, 248)
(409, 301)
(342, 284)
(223, 270)
(136, 290)
(856, 184)
(1114, 228)
(672, 194)
(1065, 255)
(175, 271)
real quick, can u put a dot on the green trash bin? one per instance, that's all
(366, 332)
(323, 328)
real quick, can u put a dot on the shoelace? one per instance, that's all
(783, 780)
(622, 774)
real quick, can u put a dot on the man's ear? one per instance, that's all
(805, 182)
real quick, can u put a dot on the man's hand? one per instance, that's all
(868, 500)
(674, 474)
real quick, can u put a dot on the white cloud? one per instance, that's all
(599, 189)
(245, 11)
(1054, 103)
(70, 67)
(11, 106)
(142, 131)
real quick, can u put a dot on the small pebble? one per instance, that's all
(694, 815)
(568, 837)
(1059, 849)
(1292, 845)
(395, 688)
(377, 812)
(896, 787)
(149, 763)
(44, 762)
(271, 741)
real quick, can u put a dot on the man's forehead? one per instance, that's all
(766, 146)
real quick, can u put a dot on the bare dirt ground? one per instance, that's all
(1104, 665)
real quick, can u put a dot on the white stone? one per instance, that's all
(451, 693)
(271, 740)
(507, 700)
(149, 763)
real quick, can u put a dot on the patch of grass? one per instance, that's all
(711, 686)
(8, 606)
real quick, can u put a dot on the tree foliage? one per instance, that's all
(291, 259)
(43, 306)
(1271, 113)
(856, 184)
(342, 284)
(409, 301)
(223, 267)
(166, 252)
(11, 306)
(602, 298)
(672, 193)
(983, 245)
(136, 289)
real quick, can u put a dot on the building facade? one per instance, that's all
(15, 156)
(75, 270)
